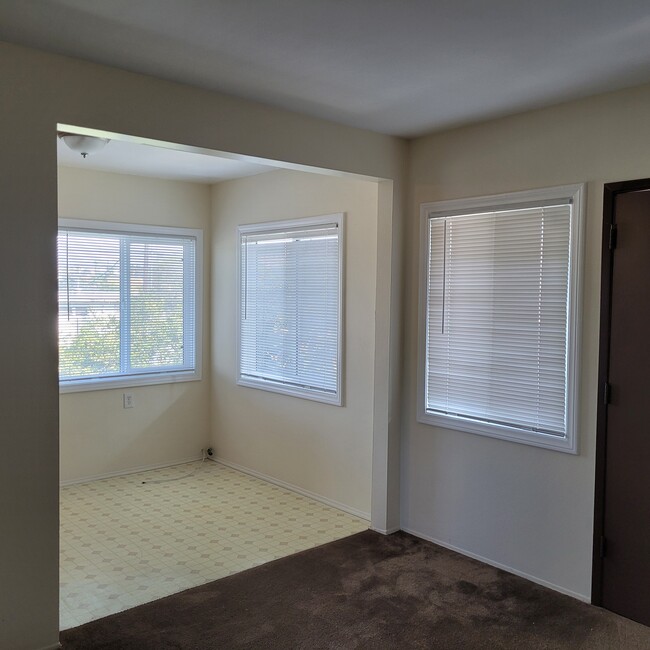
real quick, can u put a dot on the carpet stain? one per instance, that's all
(466, 587)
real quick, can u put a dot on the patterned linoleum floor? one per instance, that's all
(132, 539)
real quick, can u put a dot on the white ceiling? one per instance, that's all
(159, 162)
(402, 67)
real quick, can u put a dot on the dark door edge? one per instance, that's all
(611, 190)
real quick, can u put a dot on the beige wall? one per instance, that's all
(523, 507)
(320, 448)
(37, 91)
(169, 422)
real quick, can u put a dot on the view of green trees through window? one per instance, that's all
(126, 303)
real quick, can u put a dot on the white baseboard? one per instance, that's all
(498, 565)
(130, 470)
(54, 646)
(294, 488)
(387, 531)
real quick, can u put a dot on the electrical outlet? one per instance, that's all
(127, 399)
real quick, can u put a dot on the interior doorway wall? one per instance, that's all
(621, 567)
(47, 91)
(323, 451)
(327, 456)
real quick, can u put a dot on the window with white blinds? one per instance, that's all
(290, 277)
(128, 304)
(500, 311)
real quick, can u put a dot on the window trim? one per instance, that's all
(273, 386)
(146, 378)
(575, 195)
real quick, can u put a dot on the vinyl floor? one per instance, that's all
(132, 539)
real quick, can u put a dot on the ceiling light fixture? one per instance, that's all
(83, 144)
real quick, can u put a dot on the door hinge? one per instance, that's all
(612, 236)
(603, 546)
(607, 393)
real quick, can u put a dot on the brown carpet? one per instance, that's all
(365, 591)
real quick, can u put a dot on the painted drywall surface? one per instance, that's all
(38, 90)
(523, 507)
(169, 422)
(321, 448)
(29, 399)
(385, 501)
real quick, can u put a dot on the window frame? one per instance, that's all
(275, 386)
(530, 198)
(146, 378)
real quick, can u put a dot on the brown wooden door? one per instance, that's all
(626, 503)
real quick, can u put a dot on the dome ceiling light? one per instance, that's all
(83, 144)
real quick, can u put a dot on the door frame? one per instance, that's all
(611, 191)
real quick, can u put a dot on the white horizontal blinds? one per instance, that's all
(497, 309)
(289, 307)
(126, 303)
(89, 304)
(160, 296)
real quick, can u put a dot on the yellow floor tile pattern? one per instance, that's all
(132, 539)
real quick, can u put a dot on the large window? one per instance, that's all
(129, 303)
(499, 316)
(290, 285)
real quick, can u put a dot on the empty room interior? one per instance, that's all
(323, 325)
(129, 535)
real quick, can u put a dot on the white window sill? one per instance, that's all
(106, 383)
(292, 391)
(566, 444)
